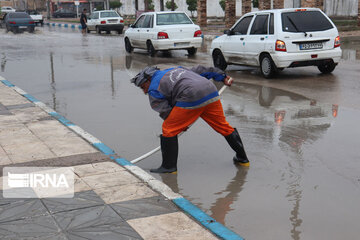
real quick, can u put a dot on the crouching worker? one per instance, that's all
(181, 96)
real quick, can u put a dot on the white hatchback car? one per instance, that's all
(107, 20)
(278, 39)
(163, 31)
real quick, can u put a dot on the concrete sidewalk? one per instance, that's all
(113, 198)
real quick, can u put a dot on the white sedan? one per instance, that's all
(155, 31)
(106, 20)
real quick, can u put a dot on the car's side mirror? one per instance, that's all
(228, 32)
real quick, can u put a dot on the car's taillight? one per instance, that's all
(337, 42)
(280, 46)
(198, 33)
(163, 35)
(121, 21)
(103, 22)
(31, 22)
(12, 22)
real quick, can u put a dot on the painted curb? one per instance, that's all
(200, 216)
(65, 25)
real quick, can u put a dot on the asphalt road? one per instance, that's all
(300, 130)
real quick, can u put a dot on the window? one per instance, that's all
(19, 15)
(242, 26)
(260, 25)
(172, 18)
(139, 22)
(108, 14)
(304, 21)
(271, 25)
(148, 22)
(94, 16)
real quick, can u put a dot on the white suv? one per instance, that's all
(278, 39)
(163, 31)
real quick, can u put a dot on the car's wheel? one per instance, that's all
(150, 48)
(128, 46)
(31, 29)
(87, 30)
(107, 32)
(219, 60)
(98, 31)
(119, 31)
(191, 51)
(267, 66)
(42, 23)
(327, 67)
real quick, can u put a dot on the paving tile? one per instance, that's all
(125, 192)
(36, 150)
(39, 228)
(30, 114)
(20, 106)
(97, 168)
(12, 133)
(100, 222)
(7, 120)
(110, 179)
(8, 194)
(69, 146)
(4, 159)
(80, 200)
(17, 134)
(17, 209)
(50, 129)
(80, 185)
(170, 226)
(10, 97)
(145, 207)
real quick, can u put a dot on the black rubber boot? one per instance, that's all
(236, 144)
(169, 150)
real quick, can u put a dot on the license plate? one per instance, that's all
(181, 44)
(112, 21)
(22, 26)
(306, 46)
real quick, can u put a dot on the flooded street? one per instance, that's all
(300, 130)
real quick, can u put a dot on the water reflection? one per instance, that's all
(3, 62)
(286, 121)
(222, 206)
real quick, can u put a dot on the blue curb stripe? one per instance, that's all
(31, 98)
(72, 26)
(7, 83)
(66, 25)
(207, 221)
(61, 119)
(53, 24)
(123, 162)
(103, 148)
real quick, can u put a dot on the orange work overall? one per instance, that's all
(180, 118)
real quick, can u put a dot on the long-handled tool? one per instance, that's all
(222, 89)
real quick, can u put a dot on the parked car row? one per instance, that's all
(269, 39)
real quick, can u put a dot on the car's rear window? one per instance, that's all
(305, 21)
(172, 19)
(108, 14)
(19, 15)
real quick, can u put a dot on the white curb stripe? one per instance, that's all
(163, 189)
(87, 136)
(140, 173)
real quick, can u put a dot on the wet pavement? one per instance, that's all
(300, 130)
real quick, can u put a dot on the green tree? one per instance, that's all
(151, 5)
(192, 6)
(115, 4)
(168, 5)
(222, 4)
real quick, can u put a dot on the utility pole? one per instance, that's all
(48, 9)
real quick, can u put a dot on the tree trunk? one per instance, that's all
(230, 13)
(161, 5)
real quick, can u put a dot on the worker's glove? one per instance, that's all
(228, 80)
